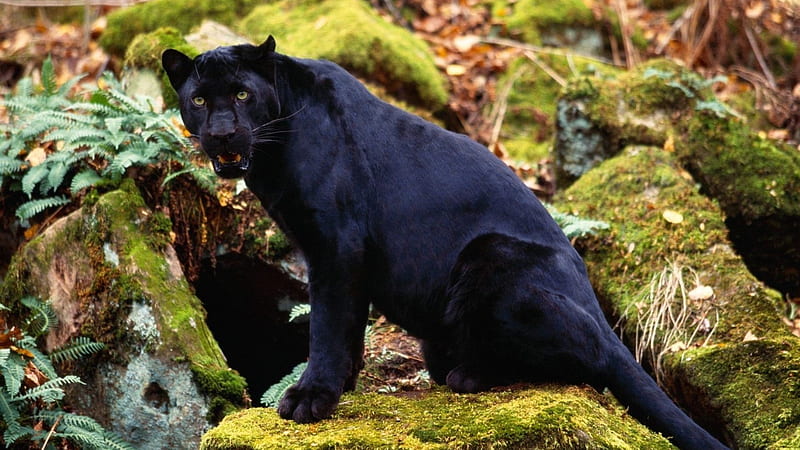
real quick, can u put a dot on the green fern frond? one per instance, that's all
(41, 360)
(275, 392)
(300, 310)
(77, 348)
(83, 180)
(50, 391)
(49, 83)
(9, 165)
(42, 319)
(34, 207)
(574, 226)
(14, 373)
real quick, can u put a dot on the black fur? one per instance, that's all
(425, 224)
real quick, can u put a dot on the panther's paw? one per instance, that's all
(307, 404)
(462, 379)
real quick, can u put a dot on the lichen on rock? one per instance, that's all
(111, 279)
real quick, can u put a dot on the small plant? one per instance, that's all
(57, 143)
(667, 319)
(574, 226)
(31, 389)
(275, 392)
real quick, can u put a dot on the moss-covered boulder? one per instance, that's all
(755, 180)
(556, 23)
(110, 273)
(666, 266)
(124, 24)
(350, 33)
(545, 417)
(531, 94)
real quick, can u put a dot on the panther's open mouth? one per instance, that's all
(230, 165)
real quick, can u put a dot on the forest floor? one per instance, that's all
(394, 361)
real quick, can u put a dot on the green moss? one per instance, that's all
(226, 388)
(182, 15)
(350, 33)
(144, 52)
(638, 186)
(750, 175)
(527, 130)
(552, 417)
(529, 17)
(766, 373)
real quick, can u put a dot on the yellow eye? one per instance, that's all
(242, 95)
(199, 101)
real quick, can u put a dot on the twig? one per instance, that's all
(759, 57)
(631, 56)
(713, 12)
(675, 27)
(52, 432)
(501, 106)
(544, 50)
(555, 76)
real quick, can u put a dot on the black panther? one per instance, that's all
(425, 224)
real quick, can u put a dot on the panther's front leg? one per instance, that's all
(338, 317)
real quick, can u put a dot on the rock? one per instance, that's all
(728, 358)
(351, 34)
(755, 180)
(183, 15)
(110, 273)
(549, 416)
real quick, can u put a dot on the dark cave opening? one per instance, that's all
(248, 304)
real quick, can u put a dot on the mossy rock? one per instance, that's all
(110, 274)
(533, 94)
(545, 417)
(350, 33)
(183, 15)
(724, 383)
(568, 22)
(755, 180)
(144, 54)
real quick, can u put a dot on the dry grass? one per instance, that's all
(668, 319)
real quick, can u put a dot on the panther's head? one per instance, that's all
(225, 95)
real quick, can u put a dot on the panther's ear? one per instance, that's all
(177, 65)
(268, 46)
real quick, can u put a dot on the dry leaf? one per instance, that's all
(36, 156)
(455, 70)
(464, 43)
(672, 216)
(701, 293)
(749, 337)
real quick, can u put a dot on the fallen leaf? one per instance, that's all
(464, 43)
(36, 156)
(701, 293)
(749, 337)
(672, 216)
(455, 70)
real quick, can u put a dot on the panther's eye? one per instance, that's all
(242, 95)
(199, 101)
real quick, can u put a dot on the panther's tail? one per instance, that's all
(645, 401)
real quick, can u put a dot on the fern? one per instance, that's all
(574, 226)
(77, 348)
(275, 392)
(21, 405)
(97, 140)
(42, 317)
(298, 311)
(33, 207)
